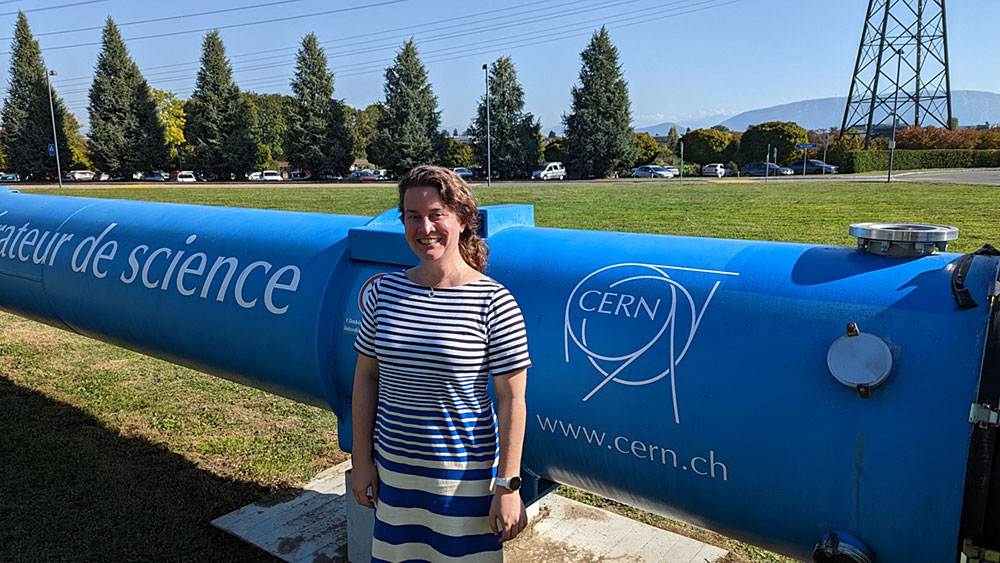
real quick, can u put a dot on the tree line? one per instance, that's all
(224, 132)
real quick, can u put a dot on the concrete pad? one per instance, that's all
(311, 527)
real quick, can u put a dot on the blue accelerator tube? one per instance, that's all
(706, 379)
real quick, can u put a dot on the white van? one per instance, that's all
(550, 171)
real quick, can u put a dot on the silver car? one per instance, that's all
(652, 171)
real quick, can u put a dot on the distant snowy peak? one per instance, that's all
(969, 106)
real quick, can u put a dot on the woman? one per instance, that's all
(439, 464)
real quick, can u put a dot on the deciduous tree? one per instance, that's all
(648, 148)
(601, 140)
(27, 126)
(781, 134)
(362, 124)
(407, 132)
(708, 145)
(515, 136)
(126, 134)
(459, 154)
(219, 122)
(318, 139)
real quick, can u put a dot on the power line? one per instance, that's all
(293, 48)
(163, 19)
(447, 54)
(230, 26)
(57, 7)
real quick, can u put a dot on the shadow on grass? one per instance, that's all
(73, 490)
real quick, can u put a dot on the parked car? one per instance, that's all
(80, 175)
(357, 174)
(368, 176)
(298, 176)
(186, 176)
(271, 176)
(673, 170)
(480, 174)
(652, 171)
(465, 173)
(550, 171)
(759, 169)
(253, 176)
(9, 178)
(812, 166)
(331, 176)
(715, 169)
(155, 176)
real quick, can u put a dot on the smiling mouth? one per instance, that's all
(428, 241)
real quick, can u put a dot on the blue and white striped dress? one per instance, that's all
(435, 438)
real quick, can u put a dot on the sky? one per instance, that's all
(684, 60)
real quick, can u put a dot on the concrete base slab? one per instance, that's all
(311, 527)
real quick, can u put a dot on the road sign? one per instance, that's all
(52, 149)
(806, 146)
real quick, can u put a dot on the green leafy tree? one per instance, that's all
(673, 140)
(458, 154)
(126, 134)
(515, 136)
(781, 134)
(648, 148)
(26, 120)
(557, 150)
(708, 145)
(407, 132)
(362, 124)
(318, 139)
(269, 116)
(601, 140)
(173, 118)
(219, 122)
(79, 153)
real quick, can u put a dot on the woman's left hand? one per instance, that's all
(507, 514)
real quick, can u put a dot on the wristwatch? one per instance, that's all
(509, 483)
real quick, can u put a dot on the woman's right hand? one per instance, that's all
(364, 476)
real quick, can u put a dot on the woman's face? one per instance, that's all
(432, 229)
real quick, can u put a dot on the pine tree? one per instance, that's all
(219, 123)
(126, 134)
(318, 139)
(599, 127)
(27, 122)
(407, 132)
(515, 136)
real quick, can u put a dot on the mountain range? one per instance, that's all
(969, 106)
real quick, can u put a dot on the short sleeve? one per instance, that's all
(364, 343)
(507, 344)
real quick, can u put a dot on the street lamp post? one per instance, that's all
(895, 107)
(55, 137)
(489, 169)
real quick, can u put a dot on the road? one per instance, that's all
(979, 176)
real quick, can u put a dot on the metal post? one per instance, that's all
(826, 147)
(55, 137)
(767, 162)
(805, 157)
(895, 106)
(682, 162)
(489, 169)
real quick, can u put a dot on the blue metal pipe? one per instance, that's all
(688, 376)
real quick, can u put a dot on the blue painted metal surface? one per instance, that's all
(683, 375)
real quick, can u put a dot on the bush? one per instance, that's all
(867, 161)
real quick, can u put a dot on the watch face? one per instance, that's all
(514, 483)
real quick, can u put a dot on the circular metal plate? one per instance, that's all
(859, 360)
(904, 232)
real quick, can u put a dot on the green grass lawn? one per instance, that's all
(108, 455)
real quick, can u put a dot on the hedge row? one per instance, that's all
(866, 161)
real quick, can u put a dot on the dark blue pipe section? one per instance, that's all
(684, 375)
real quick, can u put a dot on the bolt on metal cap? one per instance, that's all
(903, 240)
